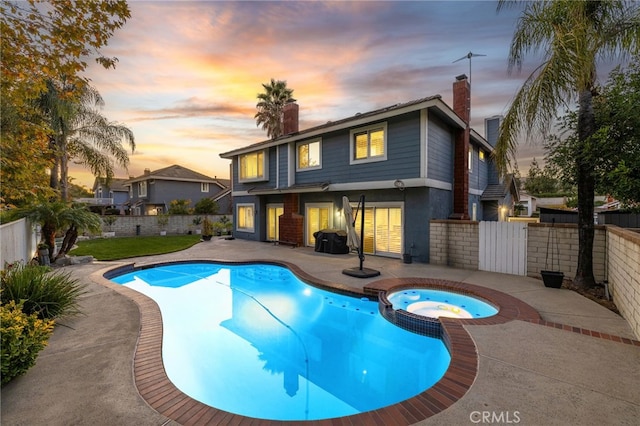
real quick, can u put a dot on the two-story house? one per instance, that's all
(414, 162)
(152, 193)
(114, 195)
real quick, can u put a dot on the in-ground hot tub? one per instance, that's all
(438, 303)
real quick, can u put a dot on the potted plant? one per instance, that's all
(207, 229)
(43, 254)
(217, 228)
(197, 221)
(225, 225)
(163, 220)
(109, 221)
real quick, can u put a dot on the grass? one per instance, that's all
(123, 248)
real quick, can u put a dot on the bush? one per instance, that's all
(206, 206)
(23, 337)
(39, 291)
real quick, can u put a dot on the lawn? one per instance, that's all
(123, 248)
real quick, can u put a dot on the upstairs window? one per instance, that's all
(481, 155)
(369, 144)
(142, 189)
(252, 166)
(204, 187)
(309, 156)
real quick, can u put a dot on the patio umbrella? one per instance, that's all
(352, 237)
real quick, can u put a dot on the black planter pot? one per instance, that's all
(552, 279)
(406, 258)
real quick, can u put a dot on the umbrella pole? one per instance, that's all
(361, 272)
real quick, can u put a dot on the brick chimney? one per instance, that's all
(290, 118)
(462, 107)
(291, 222)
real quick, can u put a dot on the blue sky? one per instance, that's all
(189, 72)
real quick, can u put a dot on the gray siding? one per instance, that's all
(403, 159)
(283, 164)
(440, 150)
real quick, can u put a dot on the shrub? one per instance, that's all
(39, 291)
(206, 206)
(23, 337)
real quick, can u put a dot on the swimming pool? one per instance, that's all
(437, 303)
(256, 341)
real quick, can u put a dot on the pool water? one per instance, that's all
(256, 341)
(438, 303)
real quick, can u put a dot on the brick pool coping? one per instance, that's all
(161, 394)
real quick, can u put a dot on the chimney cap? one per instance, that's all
(291, 101)
(461, 77)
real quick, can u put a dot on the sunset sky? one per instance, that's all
(189, 72)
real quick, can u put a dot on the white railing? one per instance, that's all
(96, 201)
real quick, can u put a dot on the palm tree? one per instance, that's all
(79, 131)
(270, 104)
(571, 36)
(57, 215)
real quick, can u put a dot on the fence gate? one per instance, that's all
(503, 247)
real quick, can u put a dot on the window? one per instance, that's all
(274, 211)
(131, 191)
(470, 160)
(309, 156)
(369, 144)
(142, 189)
(481, 155)
(245, 217)
(252, 166)
(204, 187)
(317, 217)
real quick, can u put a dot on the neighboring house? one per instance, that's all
(116, 191)
(152, 193)
(528, 202)
(414, 162)
(498, 199)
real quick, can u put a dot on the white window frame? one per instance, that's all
(253, 209)
(368, 129)
(470, 159)
(142, 188)
(304, 169)
(265, 167)
(307, 206)
(204, 186)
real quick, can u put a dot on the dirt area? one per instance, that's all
(597, 294)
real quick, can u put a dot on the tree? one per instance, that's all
(539, 180)
(42, 41)
(206, 206)
(270, 104)
(613, 151)
(79, 131)
(571, 36)
(179, 206)
(55, 216)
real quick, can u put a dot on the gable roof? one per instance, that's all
(116, 184)
(433, 103)
(497, 191)
(175, 172)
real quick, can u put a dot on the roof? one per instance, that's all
(115, 184)
(433, 102)
(177, 172)
(498, 191)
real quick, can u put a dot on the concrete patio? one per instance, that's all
(529, 373)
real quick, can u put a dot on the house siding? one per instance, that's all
(403, 141)
(440, 150)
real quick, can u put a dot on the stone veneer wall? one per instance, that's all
(125, 226)
(623, 268)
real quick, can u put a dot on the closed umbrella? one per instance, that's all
(352, 237)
